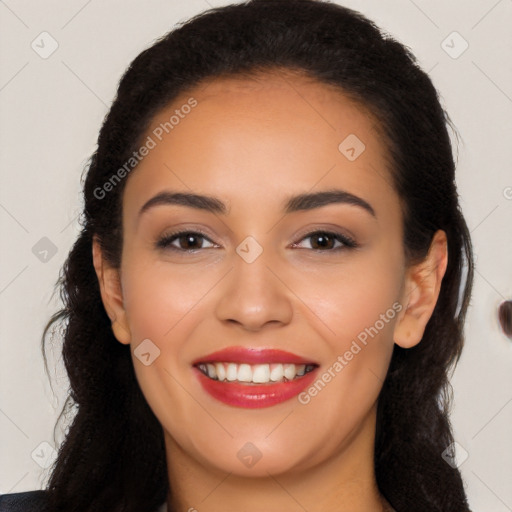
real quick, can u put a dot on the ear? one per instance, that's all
(420, 293)
(111, 293)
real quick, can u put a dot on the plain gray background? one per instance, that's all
(51, 110)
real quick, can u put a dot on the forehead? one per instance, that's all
(281, 131)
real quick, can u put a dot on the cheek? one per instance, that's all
(158, 296)
(165, 305)
(358, 303)
(353, 297)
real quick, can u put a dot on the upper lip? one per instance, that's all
(252, 356)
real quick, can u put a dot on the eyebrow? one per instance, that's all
(301, 202)
(310, 201)
(197, 201)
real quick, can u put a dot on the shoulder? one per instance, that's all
(31, 501)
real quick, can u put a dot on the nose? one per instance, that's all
(253, 296)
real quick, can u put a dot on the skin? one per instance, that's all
(252, 143)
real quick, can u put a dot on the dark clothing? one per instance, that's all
(31, 501)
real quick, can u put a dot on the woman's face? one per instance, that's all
(269, 269)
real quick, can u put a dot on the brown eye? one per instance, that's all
(190, 241)
(323, 241)
(184, 241)
(326, 241)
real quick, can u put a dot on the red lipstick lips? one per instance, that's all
(253, 356)
(270, 387)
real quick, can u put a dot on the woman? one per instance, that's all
(263, 304)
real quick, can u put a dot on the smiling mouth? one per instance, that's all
(244, 373)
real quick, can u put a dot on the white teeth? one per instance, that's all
(244, 373)
(231, 372)
(211, 370)
(257, 373)
(276, 372)
(221, 371)
(261, 373)
(289, 371)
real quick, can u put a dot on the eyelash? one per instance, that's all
(348, 242)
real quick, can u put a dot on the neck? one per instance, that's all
(343, 483)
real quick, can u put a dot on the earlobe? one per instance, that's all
(121, 332)
(421, 291)
(111, 294)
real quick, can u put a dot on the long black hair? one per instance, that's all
(113, 456)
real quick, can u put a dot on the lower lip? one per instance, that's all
(254, 396)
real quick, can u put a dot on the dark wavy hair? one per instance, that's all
(113, 457)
